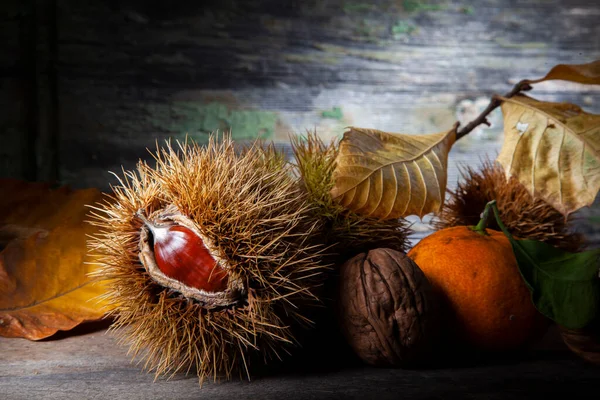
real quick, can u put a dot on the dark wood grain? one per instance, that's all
(17, 154)
(133, 72)
(46, 90)
(94, 366)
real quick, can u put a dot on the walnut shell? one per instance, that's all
(387, 309)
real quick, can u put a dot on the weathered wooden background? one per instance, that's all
(87, 87)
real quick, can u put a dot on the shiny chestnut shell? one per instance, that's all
(178, 256)
(181, 254)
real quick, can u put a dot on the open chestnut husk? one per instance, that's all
(180, 257)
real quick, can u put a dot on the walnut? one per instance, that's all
(387, 309)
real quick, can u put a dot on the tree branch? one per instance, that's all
(494, 103)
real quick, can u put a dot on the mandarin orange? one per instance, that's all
(478, 276)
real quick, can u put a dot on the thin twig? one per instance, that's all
(494, 103)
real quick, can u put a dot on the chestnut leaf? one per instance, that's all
(391, 175)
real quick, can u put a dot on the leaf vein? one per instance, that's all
(437, 181)
(383, 165)
(395, 192)
(535, 155)
(424, 188)
(36, 303)
(409, 190)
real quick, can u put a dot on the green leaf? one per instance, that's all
(564, 286)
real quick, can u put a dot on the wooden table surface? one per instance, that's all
(92, 365)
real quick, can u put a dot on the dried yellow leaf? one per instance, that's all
(389, 175)
(553, 149)
(580, 73)
(44, 266)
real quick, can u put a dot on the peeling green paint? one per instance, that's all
(334, 113)
(525, 45)
(377, 30)
(402, 28)
(414, 6)
(198, 120)
(312, 58)
(356, 7)
(469, 10)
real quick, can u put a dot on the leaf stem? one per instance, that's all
(480, 228)
(494, 103)
(518, 249)
(515, 243)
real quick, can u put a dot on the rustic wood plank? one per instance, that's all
(133, 73)
(17, 153)
(92, 365)
(29, 98)
(46, 91)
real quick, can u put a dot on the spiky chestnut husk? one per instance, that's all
(524, 216)
(258, 220)
(346, 232)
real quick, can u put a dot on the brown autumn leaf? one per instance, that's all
(389, 175)
(39, 205)
(44, 286)
(553, 149)
(580, 73)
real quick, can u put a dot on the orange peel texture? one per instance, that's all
(478, 276)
